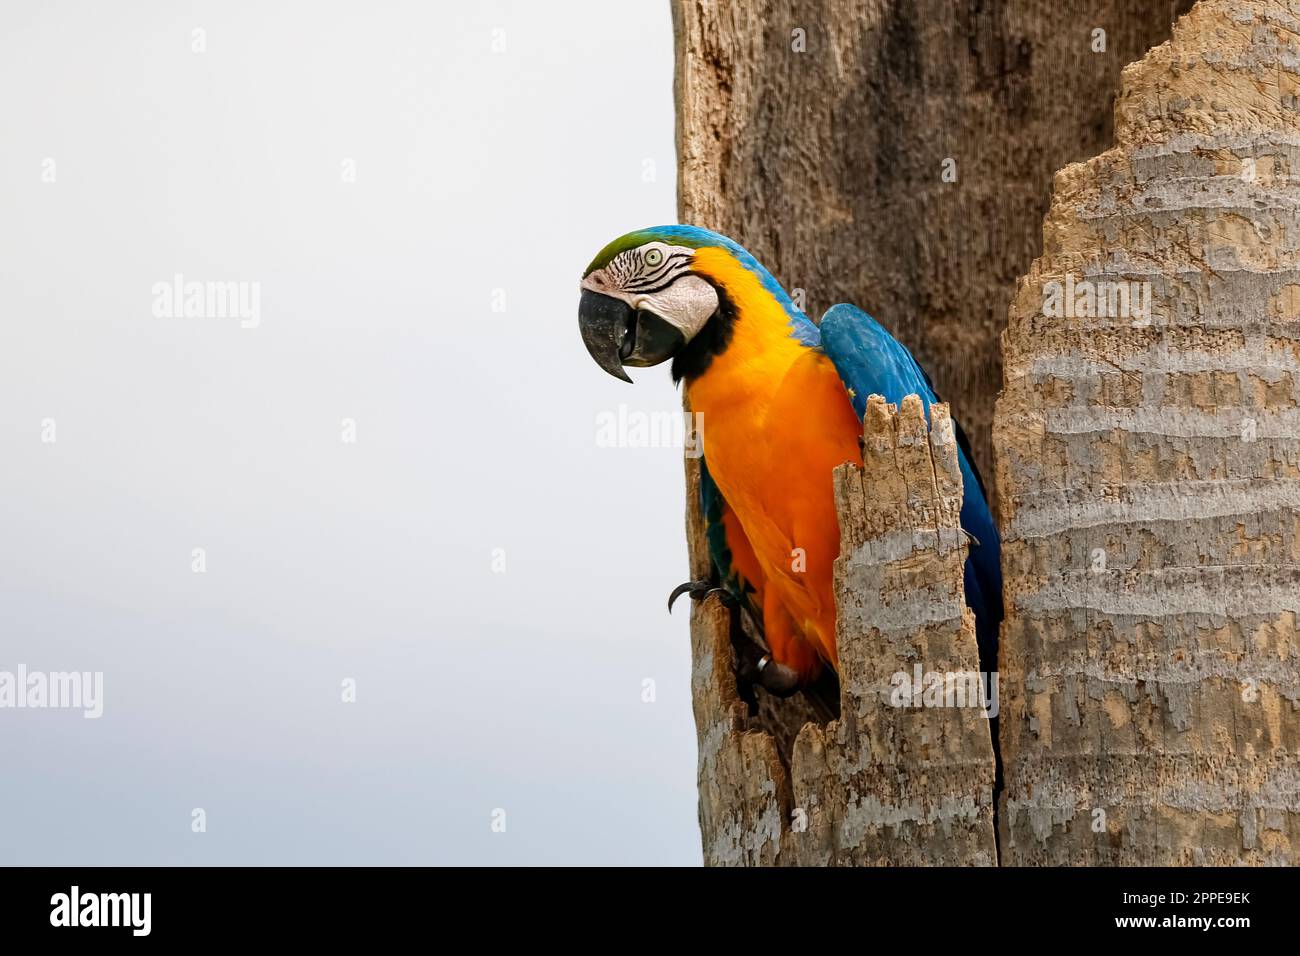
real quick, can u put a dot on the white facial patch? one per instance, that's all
(688, 303)
(657, 277)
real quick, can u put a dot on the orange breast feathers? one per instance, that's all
(776, 422)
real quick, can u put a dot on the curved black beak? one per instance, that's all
(604, 323)
(617, 335)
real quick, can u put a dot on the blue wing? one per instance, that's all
(872, 362)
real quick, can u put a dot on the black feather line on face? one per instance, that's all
(633, 277)
(692, 361)
(646, 287)
(660, 288)
(677, 263)
(623, 267)
(676, 266)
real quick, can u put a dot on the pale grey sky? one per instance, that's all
(483, 177)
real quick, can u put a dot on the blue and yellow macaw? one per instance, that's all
(782, 401)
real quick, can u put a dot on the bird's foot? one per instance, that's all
(699, 590)
(753, 662)
(755, 666)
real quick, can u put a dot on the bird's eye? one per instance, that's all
(653, 257)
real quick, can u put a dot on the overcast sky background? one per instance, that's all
(475, 171)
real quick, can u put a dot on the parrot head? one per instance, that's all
(643, 299)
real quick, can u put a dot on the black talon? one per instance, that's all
(690, 587)
(699, 590)
(726, 597)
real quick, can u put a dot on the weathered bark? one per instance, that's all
(827, 164)
(883, 784)
(1148, 465)
(1148, 468)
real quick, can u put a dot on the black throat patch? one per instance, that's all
(692, 361)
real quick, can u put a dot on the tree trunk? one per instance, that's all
(1149, 664)
(1149, 473)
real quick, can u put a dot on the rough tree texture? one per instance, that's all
(827, 163)
(1148, 469)
(884, 784)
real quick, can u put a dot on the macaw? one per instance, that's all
(782, 401)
